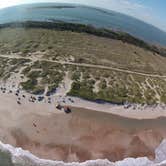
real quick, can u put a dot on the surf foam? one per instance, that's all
(25, 158)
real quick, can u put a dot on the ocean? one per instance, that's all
(85, 15)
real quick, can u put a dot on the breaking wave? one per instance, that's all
(11, 156)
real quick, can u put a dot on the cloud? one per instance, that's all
(7, 3)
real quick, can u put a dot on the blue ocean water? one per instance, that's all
(85, 15)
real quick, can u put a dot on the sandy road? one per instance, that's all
(85, 65)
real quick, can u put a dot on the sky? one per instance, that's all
(151, 11)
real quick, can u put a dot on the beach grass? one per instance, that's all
(89, 83)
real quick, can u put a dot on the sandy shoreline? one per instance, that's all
(91, 132)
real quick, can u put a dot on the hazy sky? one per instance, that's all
(151, 11)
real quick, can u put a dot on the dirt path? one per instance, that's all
(86, 65)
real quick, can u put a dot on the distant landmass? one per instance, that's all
(76, 14)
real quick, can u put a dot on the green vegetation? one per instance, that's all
(88, 83)
(42, 74)
(79, 48)
(9, 66)
(117, 87)
(46, 47)
(124, 37)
